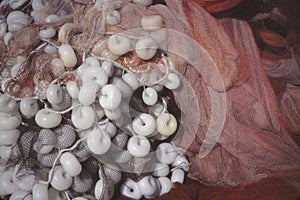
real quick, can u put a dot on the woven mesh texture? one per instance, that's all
(112, 173)
(125, 89)
(91, 165)
(83, 182)
(65, 103)
(120, 140)
(26, 142)
(82, 152)
(66, 136)
(47, 160)
(45, 137)
(122, 157)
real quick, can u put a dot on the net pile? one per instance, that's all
(252, 136)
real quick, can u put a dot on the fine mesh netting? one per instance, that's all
(66, 136)
(83, 182)
(112, 173)
(45, 137)
(48, 159)
(82, 153)
(65, 103)
(120, 140)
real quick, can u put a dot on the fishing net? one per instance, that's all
(234, 130)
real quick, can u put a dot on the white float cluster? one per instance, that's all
(145, 47)
(163, 177)
(99, 101)
(89, 112)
